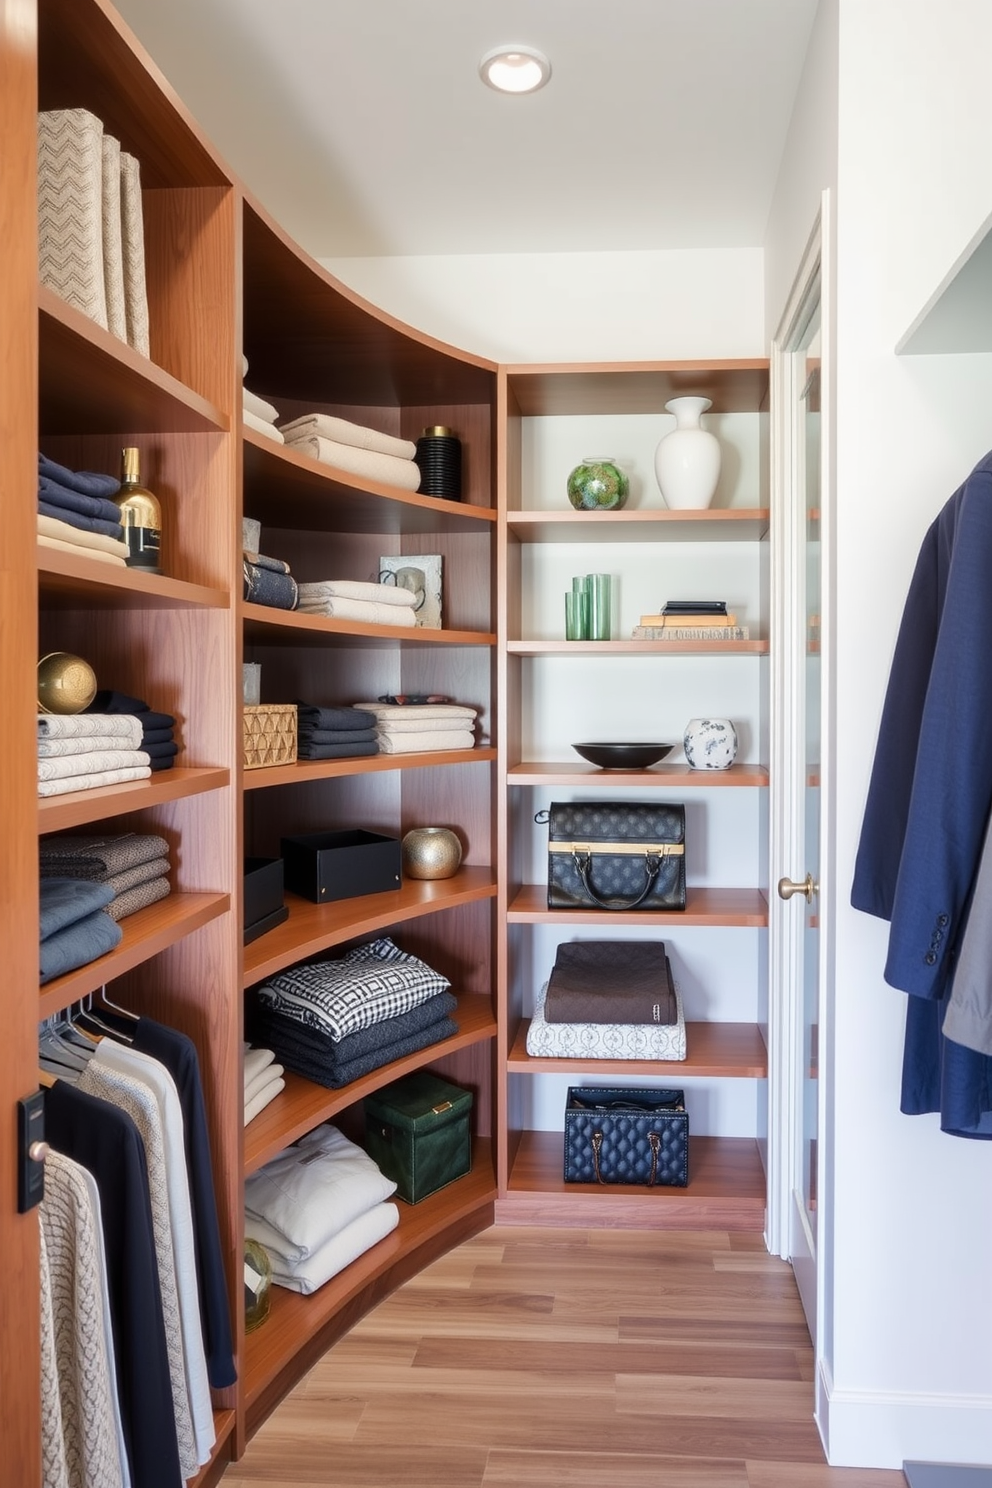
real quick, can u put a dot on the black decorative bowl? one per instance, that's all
(623, 756)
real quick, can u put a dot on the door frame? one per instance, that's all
(787, 1232)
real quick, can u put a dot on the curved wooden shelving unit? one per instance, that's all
(312, 928)
(710, 907)
(77, 808)
(722, 524)
(677, 776)
(637, 648)
(714, 1050)
(306, 770)
(272, 627)
(304, 1105)
(146, 933)
(65, 579)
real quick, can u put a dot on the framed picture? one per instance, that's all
(421, 574)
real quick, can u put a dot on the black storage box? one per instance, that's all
(418, 1132)
(264, 909)
(322, 866)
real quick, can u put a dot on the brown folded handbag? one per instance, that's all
(611, 981)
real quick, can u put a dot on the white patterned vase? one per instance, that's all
(687, 460)
(710, 743)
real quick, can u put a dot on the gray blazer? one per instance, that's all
(968, 1019)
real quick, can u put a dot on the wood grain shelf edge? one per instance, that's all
(77, 808)
(712, 907)
(715, 1050)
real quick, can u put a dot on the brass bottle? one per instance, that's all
(141, 516)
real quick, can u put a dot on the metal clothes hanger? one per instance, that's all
(116, 1008)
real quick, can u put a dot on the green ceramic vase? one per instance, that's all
(598, 484)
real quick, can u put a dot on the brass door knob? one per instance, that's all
(787, 887)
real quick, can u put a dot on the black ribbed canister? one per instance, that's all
(439, 460)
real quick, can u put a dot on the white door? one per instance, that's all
(799, 707)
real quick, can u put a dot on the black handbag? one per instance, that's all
(617, 1135)
(615, 855)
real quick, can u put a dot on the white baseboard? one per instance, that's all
(875, 1429)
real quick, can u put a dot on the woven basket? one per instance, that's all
(270, 735)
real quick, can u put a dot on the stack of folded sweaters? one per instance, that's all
(76, 514)
(333, 733)
(354, 448)
(133, 867)
(409, 728)
(609, 999)
(84, 751)
(263, 1080)
(317, 1207)
(351, 599)
(157, 729)
(334, 1021)
(75, 925)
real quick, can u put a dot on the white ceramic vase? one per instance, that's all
(687, 460)
(710, 743)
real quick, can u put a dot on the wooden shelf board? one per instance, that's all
(312, 928)
(637, 648)
(726, 1190)
(735, 386)
(721, 524)
(224, 1423)
(714, 1050)
(267, 626)
(680, 776)
(67, 579)
(146, 933)
(294, 1319)
(304, 1105)
(285, 489)
(78, 808)
(92, 383)
(304, 770)
(711, 907)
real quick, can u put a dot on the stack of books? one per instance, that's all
(691, 620)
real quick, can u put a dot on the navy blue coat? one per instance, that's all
(929, 798)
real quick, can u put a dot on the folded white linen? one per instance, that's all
(369, 464)
(360, 609)
(101, 744)
(91, 782)
(67, 765)
(405, 712)
(261, 426)
(263, 1097)
(325, 426)
(395, 726)
(605, 1040)
(258, 406)
(70, 547)
(65, 532)
(357, 589)
(415, 743)
(311, 1191)
(256, 1061)
(353, 1241)
(123, 726)
(264, 1076)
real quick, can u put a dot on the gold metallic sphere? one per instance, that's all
(66, 683)
(431, 852)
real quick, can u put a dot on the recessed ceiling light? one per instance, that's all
(515, 69)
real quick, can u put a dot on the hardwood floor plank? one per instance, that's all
(728, 1361)
(608, 1470)
(696, 1395)
(757, 1331)
(813, 1475)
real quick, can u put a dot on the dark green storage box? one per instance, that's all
(418, 1131)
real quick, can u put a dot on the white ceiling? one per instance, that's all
(363, 126)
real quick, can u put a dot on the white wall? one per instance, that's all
(911, 1369)
(562, 307)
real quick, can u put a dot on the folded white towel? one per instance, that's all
(87, 764)
(360, 609)
(91, 782)
(387, 470)
(68, 547)
(256, 1061)
(263, 1097)
(65, 532)
(394, 727)
(258, 406)
(356, 589)
(261, 426)
(102, 744)
(125, 727)
(353, 1241)
(415, 743)
(408, 712)
(264, 1077)
(358, 436)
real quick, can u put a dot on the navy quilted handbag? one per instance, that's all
(624, 1135)
(615, 855)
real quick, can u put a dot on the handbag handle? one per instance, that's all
(655, 1143)
(652, 867)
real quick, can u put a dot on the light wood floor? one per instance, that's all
(565, 1359)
